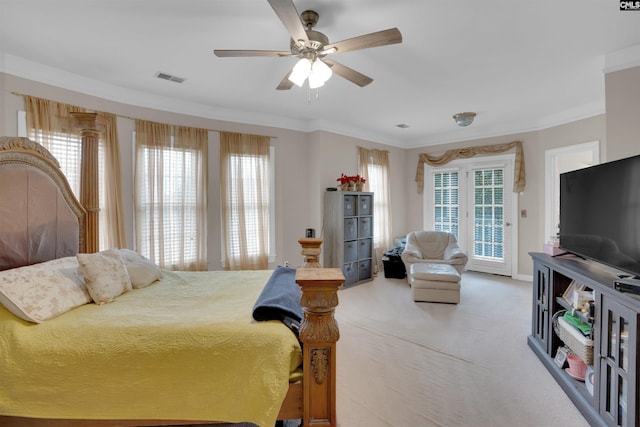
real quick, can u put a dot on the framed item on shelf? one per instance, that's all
(572, 294)
(561, 357)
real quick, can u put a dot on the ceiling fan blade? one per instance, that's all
(285, 84)
(348, 73)
(380, 38)
(290, 17)
(226, 53)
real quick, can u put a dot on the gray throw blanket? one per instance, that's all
(280, 299)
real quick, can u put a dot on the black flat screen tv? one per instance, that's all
(600, 213)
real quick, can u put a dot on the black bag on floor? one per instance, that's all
(393, 266)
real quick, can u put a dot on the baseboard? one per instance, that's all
(524, 277)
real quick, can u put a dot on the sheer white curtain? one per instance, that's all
(245, 182)
(170, 195)
(374, 167)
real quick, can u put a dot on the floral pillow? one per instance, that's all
(105, 275)
(142, 271)
(43, 291)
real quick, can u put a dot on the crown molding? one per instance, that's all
(622, 59)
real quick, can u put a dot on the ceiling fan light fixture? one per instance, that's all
(300, 72)
(317, 71)
(315, 81)
(464, 119)
(321, 70)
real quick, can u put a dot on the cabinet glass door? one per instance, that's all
(617, 364)
(540, 322)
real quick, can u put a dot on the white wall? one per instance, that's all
(623, 113)
(307, 163)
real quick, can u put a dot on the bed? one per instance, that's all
(173, 348)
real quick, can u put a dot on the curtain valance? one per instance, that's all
(519, 180)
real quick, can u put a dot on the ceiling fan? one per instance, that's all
(313, 47)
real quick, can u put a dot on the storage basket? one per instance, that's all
(578, 343)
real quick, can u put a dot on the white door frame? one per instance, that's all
(511, 216)
(557, 161)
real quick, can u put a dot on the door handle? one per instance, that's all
(507, 224)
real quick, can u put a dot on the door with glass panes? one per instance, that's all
(473, 200)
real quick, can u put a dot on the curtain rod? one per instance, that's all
(136, 118)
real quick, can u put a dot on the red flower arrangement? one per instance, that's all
(353, 183)
(346, 180)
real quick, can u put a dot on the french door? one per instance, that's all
(473, 199)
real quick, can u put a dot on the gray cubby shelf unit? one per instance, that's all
(348, 234)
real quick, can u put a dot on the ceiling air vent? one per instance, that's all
(166, 76)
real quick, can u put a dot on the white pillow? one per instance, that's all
(42, 291)
(105, 275)
(142, 271)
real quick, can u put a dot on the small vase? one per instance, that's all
(359, 186)
(352, 187)
(344, 187)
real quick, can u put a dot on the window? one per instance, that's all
(374, 166)
(67, 149)
(246, 174)
(248, 202)
(50, 123)
(489, 213)
(170, 197)
(173, 216)
(445, 205)
(380, 206)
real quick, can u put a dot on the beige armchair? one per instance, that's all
(433, 247)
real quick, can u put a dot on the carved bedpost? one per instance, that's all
(311, 251)
(319, 334)
(90, 126)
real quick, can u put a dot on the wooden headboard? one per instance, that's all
(40, 218)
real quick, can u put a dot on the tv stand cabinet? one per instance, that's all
(614, 401)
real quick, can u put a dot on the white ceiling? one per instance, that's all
(520, 65)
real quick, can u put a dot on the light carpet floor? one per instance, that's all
(408, 364)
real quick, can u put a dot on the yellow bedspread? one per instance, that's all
(186, 347)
